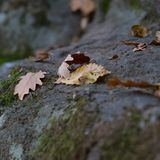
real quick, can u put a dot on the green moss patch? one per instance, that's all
(66, 139)
(135, 4)
(7, 87)
(105, 4)
(130, 142)
(7, 56)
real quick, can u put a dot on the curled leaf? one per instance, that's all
(140, 47)
(157, 39)
(139, 31)
(85, 74)
(78, 58)
(27, 82)
(71, 59)
(63, 70)
(130, 42)
(128, 83)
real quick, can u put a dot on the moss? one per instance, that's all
(66, 139)
(7, 56)
(7, 87)
(135, 4)
(105, 5)
(131, 142)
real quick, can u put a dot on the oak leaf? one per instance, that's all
(86, 74)
(27, 82)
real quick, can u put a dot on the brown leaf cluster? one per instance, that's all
(84, 74)
(138, 46)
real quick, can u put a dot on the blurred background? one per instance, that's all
(27, 25)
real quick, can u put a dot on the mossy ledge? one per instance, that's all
(73, 137)
(7, 87)
(129, 141)
(66, 139)
(8, 56)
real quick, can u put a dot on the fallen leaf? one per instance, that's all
(114, 82)
(86, 74)
(71, 59)
(128, 83)
(63, 70)
(78, 58)
(139, 31)
(114, 57)
(140, 47)
(157, 92)
(157, 39)
(130, 42)
(27, 82)
(40, 55)
(85, 6)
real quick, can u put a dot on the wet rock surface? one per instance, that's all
(94, 112)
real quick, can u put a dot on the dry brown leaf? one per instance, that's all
(128, 83)
(114, 82)
(130, 42)
(139, 31)
(157, 39)
(85, 74)
(27, 82)
(71, 59)
(40, 55)
(78, 58)
(140, 47)
(85, 6)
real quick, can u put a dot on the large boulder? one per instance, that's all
(89, 122)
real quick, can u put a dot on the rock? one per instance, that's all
(152, 6)
(94, 121)
(36, 24)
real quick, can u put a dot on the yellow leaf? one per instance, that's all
(139, 31)
(27, 82)
(85, 74)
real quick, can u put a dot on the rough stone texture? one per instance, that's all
(36, 24)
(25, 121)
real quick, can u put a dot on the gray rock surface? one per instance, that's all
(25, 121)
(36, 24)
